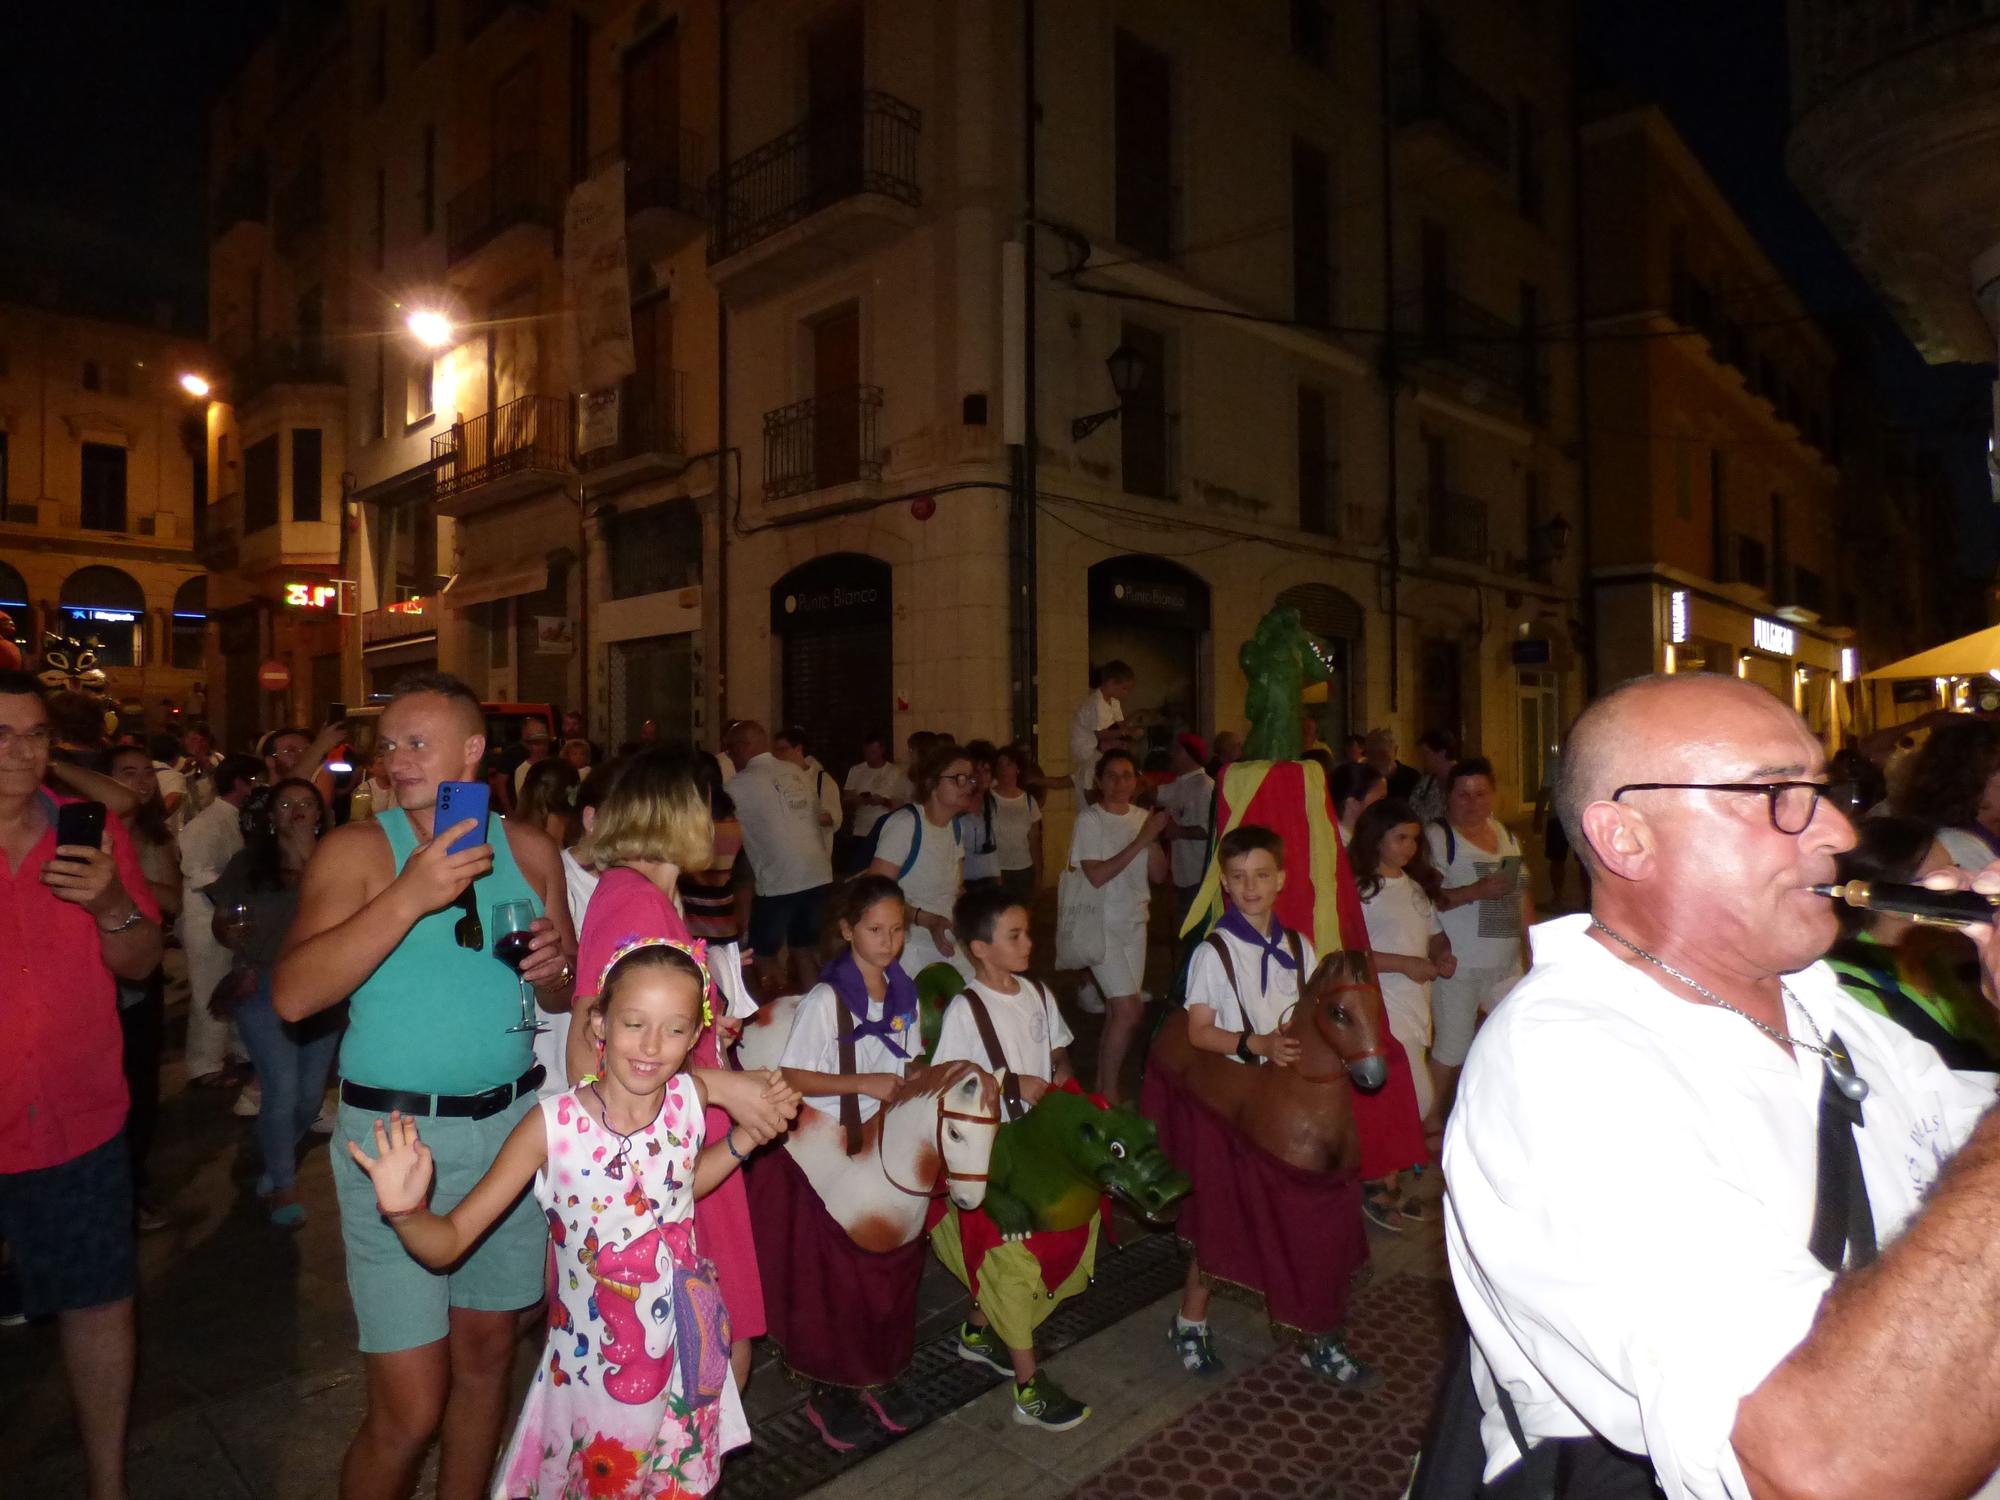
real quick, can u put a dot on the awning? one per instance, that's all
(468, 589)
(1968, 656)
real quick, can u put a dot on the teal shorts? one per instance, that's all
(399, 1302)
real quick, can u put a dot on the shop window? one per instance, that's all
(189, 634)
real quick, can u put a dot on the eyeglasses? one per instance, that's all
(1793, 804)
(963, 778)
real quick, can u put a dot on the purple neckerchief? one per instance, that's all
(1238, 926)
(899, 1006)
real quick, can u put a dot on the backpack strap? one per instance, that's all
(916, 812)
(850, 1104)
(1450, 839)
(1298, 947)
(1215, 941)
(1010, 1085)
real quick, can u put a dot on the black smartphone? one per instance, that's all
(336, 713)
(80, 823)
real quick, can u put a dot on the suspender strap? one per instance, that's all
(1215, 941)
(1298, 948)
(1843, 1228)
(1010, 1086)
(850, 1104)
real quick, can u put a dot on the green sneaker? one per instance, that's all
(1197, 1353)
(982, 1346)
(1327, 1355)
(1042, 1403)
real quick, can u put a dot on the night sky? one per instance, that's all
(104, 109)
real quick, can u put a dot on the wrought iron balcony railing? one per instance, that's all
(1457, 526)
(649, 421)
(672, 173)
(519, 190)
(1481, 345)
(825, 440)
(1430, 88)
(529, 434)
(866, 145)
(283, 362)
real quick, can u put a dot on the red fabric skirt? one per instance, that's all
(842, 1314)
(1388, 1125)
(722, 1223)
(1293, 1235)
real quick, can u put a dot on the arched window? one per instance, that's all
(189, 635)
(106, 605)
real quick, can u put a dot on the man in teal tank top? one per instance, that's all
(379, 920)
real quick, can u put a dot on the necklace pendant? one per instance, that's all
(1852, 1085)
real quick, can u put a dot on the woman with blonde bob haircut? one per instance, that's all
(652, 824)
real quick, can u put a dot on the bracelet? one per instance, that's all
(729, 1140)
(401, 1213)
(131, 921)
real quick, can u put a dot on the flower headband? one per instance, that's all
(697, 950)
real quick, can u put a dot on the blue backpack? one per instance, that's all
(874, 838)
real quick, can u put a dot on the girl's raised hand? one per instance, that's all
(401, 1166)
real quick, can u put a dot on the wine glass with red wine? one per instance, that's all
(512, 942)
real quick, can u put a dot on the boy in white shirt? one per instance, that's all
(1243, 984)
(1024, 1028)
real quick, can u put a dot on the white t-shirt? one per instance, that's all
(885, 780)
(1027, 1025)
(780, 818)
(1208, 985)
(1402, 920)
(207, 841)
(828, 792)
(932, 883)
(1190, 798)
(1094, 714)
(1605, 1127)
(1103, 834)
(1486, 934)
(815, 1046)
(1013, 817)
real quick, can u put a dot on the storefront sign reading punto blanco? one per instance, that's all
(1769, 635)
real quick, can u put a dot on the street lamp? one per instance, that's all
(1127, 368)
(429, 327)
(194, 385)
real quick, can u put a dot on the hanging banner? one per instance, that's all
(597, 280)
(596, 420)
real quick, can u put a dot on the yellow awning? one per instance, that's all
(1968, 656)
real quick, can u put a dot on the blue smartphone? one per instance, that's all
(457, 801)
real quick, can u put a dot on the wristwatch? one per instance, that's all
(1243, 1048)
(133, 920)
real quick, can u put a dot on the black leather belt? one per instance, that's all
(477, 1106)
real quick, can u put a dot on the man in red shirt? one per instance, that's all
(73, 920)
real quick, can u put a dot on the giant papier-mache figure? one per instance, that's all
(1278, 1155)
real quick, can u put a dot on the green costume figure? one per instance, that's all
(1280, 661)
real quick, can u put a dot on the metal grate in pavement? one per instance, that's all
(786, 1457)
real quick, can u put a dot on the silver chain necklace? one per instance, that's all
(1851, 1084)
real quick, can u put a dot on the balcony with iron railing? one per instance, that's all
(1450, 332)
(666, 190)
(646, 440)
(829, 439)
(277, 362)
(1457, 526)
(1431, 90)
(520, 192)
(522, 448)
(840, 182)
(244, 197)
(299, 209)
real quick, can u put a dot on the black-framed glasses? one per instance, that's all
(962, 778)
(1793, 804)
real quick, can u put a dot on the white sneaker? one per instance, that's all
(323, 1122)
(1088, 1000)
(249, 1104)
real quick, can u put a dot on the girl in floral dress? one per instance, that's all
(633, 1398)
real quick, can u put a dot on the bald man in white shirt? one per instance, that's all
(1632, 1162)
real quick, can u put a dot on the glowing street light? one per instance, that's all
(430, 328)
(194, 385)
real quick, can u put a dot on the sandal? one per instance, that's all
(1380, 1208)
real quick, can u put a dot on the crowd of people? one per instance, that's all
(507, 1134)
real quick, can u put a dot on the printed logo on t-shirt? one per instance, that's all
(1038, 1026)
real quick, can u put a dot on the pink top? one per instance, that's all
(62, 1086)
(625, 906)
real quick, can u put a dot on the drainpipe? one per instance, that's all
(1390, 368)
(1026, 595)
(719, 658)
(1586, 512)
